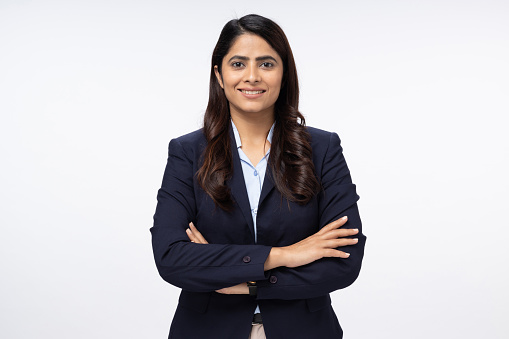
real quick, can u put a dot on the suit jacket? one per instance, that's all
(294, 302)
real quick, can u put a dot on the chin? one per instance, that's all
(251, 109)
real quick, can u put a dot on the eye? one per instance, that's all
(267, 64)
(237, 64)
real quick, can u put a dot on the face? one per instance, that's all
(251, 76)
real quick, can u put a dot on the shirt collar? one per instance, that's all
(237, 135)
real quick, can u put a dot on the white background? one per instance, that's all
(91, 92)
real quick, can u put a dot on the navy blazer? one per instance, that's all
(294, 302)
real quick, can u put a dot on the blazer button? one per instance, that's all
(246, 259)
(273, 279)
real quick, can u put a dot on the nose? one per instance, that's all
(252, 74)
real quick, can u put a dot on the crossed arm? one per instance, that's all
(316, 261)
(322, 244)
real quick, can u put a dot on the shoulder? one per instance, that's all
(191, 138)
(319, 134)
(321, 138)
(191, 144)
(325, 145)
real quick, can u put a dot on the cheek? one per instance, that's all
(229, 87)
(229, 94)
(276, 81)
(230, 82)
(276, 86)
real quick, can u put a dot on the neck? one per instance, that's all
(253, 129)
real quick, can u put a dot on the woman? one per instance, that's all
(256, 219)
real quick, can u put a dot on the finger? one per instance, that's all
(333, 225)
(334, 243)
(190, 235)
(340, 233)
(194, 238)
(331, 253)
(197, 233)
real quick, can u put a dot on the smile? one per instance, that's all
(251, 92)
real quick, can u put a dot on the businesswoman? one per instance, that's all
(257, 218)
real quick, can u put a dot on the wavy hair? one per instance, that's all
(290, 154)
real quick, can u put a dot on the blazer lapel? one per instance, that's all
(268, 184)
(237, 184)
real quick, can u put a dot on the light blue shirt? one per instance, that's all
(253, 176)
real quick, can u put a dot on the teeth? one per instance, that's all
(251, 92)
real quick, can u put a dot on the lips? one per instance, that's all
(252, 91)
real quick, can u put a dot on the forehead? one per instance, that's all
(252, 46)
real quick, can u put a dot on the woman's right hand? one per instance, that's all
(319, 245)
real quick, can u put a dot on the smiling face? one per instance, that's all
(251, 75)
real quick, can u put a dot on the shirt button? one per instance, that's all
(255, 210)
(246, 259)
(273, 279)
(255, 173)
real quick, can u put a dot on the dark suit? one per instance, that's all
(294, 302)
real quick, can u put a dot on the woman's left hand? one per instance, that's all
(196, 237)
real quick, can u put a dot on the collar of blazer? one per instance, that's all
(237, 184)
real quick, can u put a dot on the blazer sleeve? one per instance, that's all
(190, 266)
(338, 198)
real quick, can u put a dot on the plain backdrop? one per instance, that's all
(91, 92)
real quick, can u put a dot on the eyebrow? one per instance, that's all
(264, 57)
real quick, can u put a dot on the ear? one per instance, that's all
(218, 76)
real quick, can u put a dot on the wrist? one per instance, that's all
(275, 258)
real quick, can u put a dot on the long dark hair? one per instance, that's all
(290, 154)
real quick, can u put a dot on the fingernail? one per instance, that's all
(356, 229)
(188, 230)
(355, 239)
(347, 254)
(345, 217)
